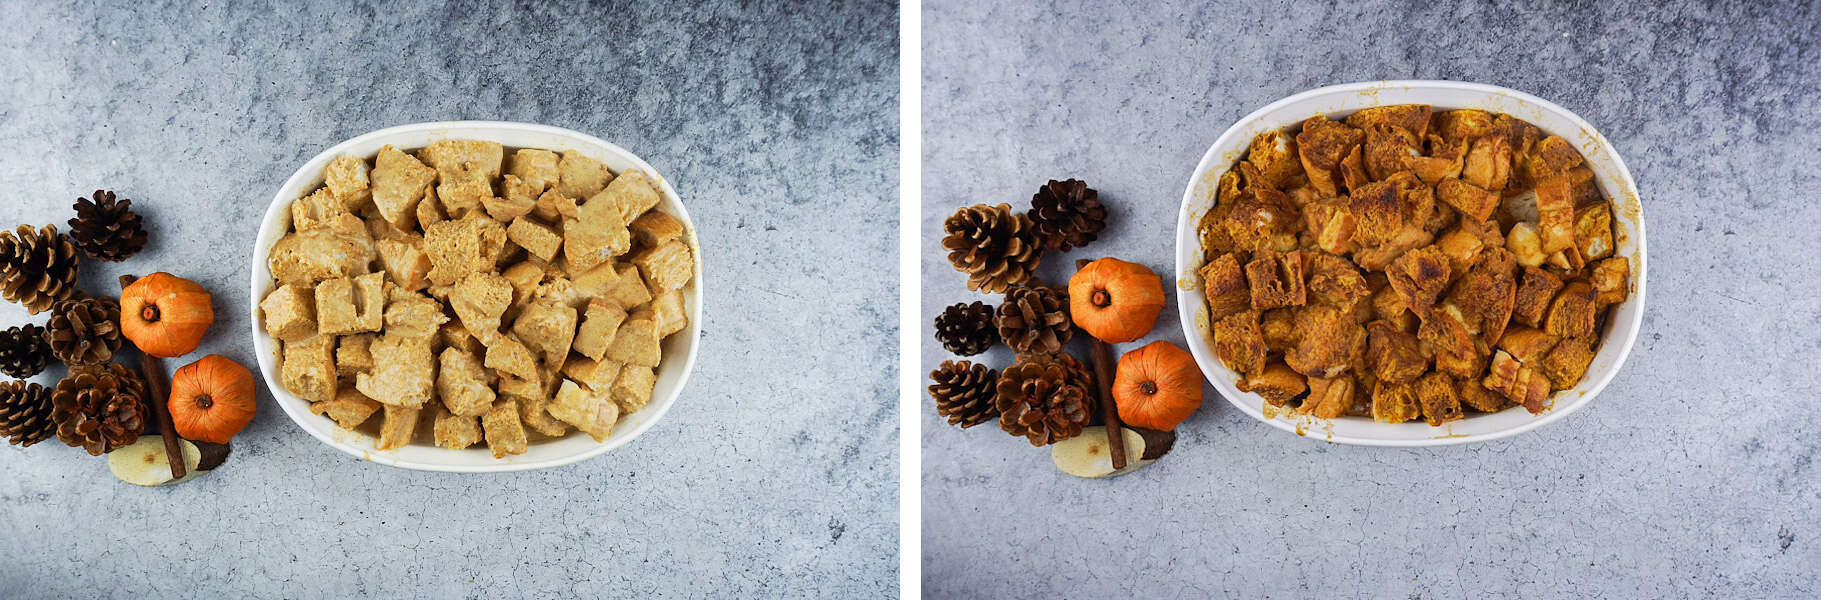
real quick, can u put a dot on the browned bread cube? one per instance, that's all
(1526, 344)
(1549, 157)
(1330, 342)
(1565, 364)
(1353, 172)
(1395, 356)
(1472, 201)
(1277, 383)
(1466, 366)
(1387, 148)
(1239, 343)
(1477, 397)
(1329, 398)
(1448, 330)
(1488, 163)
(1419, 276)
(1225, 285)
(1388, 306)
(1574, 311)
(1279, 328)
(1275, 156)
(290, 312)
(1276, 280)
(1321, 145)
(1593, 231)
(1535, 291)
(1413, 118)
(1611, 280)
(1555, 214)
(1517, 382)
(1435, 393)
(1334, 280)
(1377, 213)
(1463, 124)
(1394, 402)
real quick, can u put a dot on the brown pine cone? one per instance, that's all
(37, 267)
(84, 331)
(964, 392)
(1067, 214)
(100, 408)
(25, 413)
(1045, 398)
(23, 352)
(1035, 320)
(105, 229)
(994, 246)
(967, 329)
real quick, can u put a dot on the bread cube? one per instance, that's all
(1555, 214)
(629, 289)
(411, 315)
(351, 305)
(560, 290)
(554, 207)
(1448, 329)
(1549, 157)
(1395, 356)
(1386, 149)
(507, 354)
(1611, 280)
(478, 301)
(599, 325)
(1329, 398)
(547, 326)
(399, 181)
(520, 197)
(290, 312)
(398, 429)
(453, 335)
(1419, 277)
(1274, 155)
(593, 374)
(1321, 145)
(454, 431)
(1388, 306)
(593, 237)
(629, 195)
(1488, 163)
(464, 191)
(457, 248)
(405, 262)
(579, 176)
(1224, 283)
(632, 389)
(537, 238)
(655, 227)
(1574, 312)
(346, 178)
(1413, 118)
(1525, 244)
(668, 312)
(353, 355)
(404, 371)
(665, 267)
(307, 257)
(1277, 383)
(636, 342)
(1567, 362)
(1335, 281)
(1239, 342)
(537, 168)
(430, 209)
(591, 412)
(452, 158)
(1517, 382)
(1330, 342)
(465, 387)
(1473, 202)
(1276, 280)
(1377, 213)
(308, 369)
(505, 434)
(1476, 396)
(1535, 291)
(1394, 402)
(1435, 394)
(316, 210)
(1527, 344)
(348, 409)
(534, 412)
(1593, 231)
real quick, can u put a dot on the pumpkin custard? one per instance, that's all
(473, 296)
(1407, 263)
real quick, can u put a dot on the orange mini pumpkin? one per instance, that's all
(1157, 386)
(212, 399)
(165, 315)
(1114, 300)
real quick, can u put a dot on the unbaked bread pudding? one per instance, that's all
(1408, 263)
(473, 296)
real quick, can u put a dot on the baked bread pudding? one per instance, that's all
(1407, 263)
(470, 295)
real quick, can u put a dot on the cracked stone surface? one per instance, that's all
(1693, 474)
(773, 476)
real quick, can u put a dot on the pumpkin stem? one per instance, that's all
(149, 313)
(1101, 299)
(1149, 387)
(204, 401)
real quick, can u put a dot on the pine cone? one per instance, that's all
(100, 408)
(106, 229)
(1035, 320)
(995, 247)
(966, 329)
(964, 392)
(1045, 398)
(1067, 214)
(84, 331)
(25, 413)
(37, 267)
(23, 351)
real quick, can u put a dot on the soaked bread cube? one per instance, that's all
(628, 196)
(665, 267)
(353, 355)
(1555, 214)
(465, 388)
(308, 369)
(310, 256)
(1329, 344)
(537, 238)
(1527, 344)
(346, 178)
(1321, 145)
(348, 409)
(1593, 231)
(554, 207)
(316, 210)
(1274, 155)
(404, 371)
(351, 305)
(505, 353)
(430, 210)
(599, 324)
(1277, 383)
(668, 312)
(1224, 283)
(517, 201)
(505, 434)
(579, 176)
(404, 261)
(592, 374)
(594, 236)
(398, 429)
(290, 312)
(1488, 164)
(1329, 398)
(636, 342)
(452, 158)
(547, 326)
(628, 289)
(454, 431)
(464, 191)
(599, 281)
(533, 398)
(632, 389)
(1476, 396)
(655, 227)
(478, 301)
(412, 315)
(537, 168)
(591, 412)
(468, 245)
(399, 181)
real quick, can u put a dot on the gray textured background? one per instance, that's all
(775, 473)
(1693, 474)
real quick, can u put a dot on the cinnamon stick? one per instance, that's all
(152, 369)
(1103, 381)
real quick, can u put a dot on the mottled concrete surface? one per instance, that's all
(774, 476)
(1693, 475)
